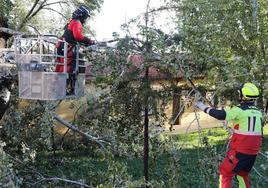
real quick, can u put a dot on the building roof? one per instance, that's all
(136, 65)
(137, 62)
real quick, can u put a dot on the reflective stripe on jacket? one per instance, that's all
(247, 125)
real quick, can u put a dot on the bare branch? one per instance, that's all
(48, 178)
(57, 2)
(164, 9)
(75, 129)
(132, 38)
(35, 29)
(18, 161)
(32, 9)
(182, 107)
(31, 13)
(10, 31)
(51, 9)
(64, 180)
(264, 155)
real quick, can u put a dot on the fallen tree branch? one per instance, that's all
(19, 162)
(45, 177)
(53, 3)
(260, 175)
(118, 39)
(10, 31)
(75, 129)
(64, 180)
(264, 155)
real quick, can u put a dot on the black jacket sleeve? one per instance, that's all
(218, 114)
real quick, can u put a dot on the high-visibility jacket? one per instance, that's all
(247, 126)
(246, 121)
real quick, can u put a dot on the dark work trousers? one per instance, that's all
(72, 75)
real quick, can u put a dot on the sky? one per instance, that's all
(114, 13)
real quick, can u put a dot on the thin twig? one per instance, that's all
(10, 31)
(181, 109)
(57, 2)
(263, 155)
(167, 8)
(259, 174)
(190, 124)
(199, 126)
(51, 9)
(64, 180)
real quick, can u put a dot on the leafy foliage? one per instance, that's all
(5, 7)
(219, 41)
(225, 40)
(7, 177)
(31, 16)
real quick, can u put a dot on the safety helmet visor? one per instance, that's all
(249, 91)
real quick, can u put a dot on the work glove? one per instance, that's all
(201, 105)
(91, 42)
(88, 42)
(102, 44)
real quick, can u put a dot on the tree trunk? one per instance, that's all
(146, 135)
(176, 105)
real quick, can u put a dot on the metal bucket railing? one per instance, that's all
(36, 58)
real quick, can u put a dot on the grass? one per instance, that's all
(196, 165)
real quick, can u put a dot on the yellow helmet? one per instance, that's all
(249, 91)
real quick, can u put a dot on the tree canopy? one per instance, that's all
(39, 16)
(121, 123)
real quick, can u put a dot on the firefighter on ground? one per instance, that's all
(73, 35)
(246, 139)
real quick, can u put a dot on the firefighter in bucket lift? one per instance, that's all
(73, 35)
(246, 139)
